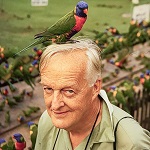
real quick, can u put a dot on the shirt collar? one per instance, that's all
(105, 128)
(109, 105)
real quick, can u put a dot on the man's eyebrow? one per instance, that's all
(43, 83)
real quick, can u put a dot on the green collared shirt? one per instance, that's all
(130, 135)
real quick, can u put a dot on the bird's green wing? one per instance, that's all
(120, 97)
(63, 25)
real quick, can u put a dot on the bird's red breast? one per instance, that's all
(79, 23)
(20, 146)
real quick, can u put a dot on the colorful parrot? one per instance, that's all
(4, 73)
(10, 144)
(113, 31)
(146, 83)
(4, 91)
(20, 118)
(118, 95)
(34, 109)
(129, 91)
(64, 28)
(2, 105)
(33, 132)
(7, 117)
(142, 78)
(27, 113)
(20, 143)
(10, 101)
(38, 51)
(147, 74)
(20, 97)
(30, 94)
(3, 144)
(11, 86)
(24, 73)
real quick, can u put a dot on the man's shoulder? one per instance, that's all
(119, 113)
(129, 132)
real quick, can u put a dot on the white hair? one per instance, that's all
(93, 71)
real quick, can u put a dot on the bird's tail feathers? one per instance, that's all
(40, 35)
(39, 41)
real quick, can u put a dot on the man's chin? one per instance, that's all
(61, 124)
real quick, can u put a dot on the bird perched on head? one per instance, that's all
(64, 28)
(20, 143)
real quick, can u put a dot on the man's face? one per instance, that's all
(66, 92)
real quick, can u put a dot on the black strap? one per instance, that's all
(115, 131)
(91, 131)
(56, 139)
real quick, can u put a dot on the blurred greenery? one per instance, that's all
(19, 21)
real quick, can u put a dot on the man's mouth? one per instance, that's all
(59, 113)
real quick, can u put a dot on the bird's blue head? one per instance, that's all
(113, 87)
(81, 9)
(111, 61)
(2, 141)
(17, 137)
(147, 72)
(34, 62)
(6, 65)
(142, 75)
(35, 49)
(30, 123)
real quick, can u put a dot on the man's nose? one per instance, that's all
(57, 100)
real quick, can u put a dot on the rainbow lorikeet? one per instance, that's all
(64, 28)
(20, 143)
(7, 117)
(3, 144)
(2, 105)
(33, 133)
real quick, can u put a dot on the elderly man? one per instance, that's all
(79, 115)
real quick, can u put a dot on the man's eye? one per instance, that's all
(69, 92)
(47, 90)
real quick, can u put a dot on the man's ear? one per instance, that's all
(97, 87)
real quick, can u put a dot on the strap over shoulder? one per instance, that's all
(115, 131)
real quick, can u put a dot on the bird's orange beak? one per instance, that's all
(85, 11)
